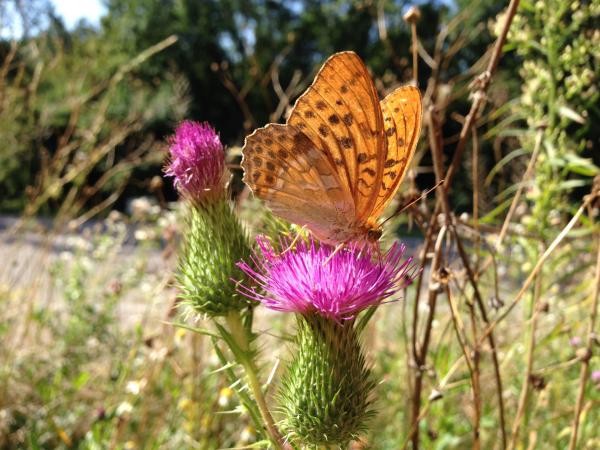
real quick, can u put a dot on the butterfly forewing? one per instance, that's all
(340, 114)
(402, 114)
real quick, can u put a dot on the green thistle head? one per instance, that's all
(326, 394)
(214, 241)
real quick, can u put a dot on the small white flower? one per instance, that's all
(124, 409)
(158, 354)
(225, 395)
(141, 235)
(248, 435)
(133, 387)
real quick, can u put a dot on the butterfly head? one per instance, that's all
(373, 233)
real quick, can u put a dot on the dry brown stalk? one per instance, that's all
(471, 358)
(475, 177)
(420, 352)
(525, 388)
(483, 82)
(412, 17)
(478, 100)
(517, 197)
(436, 149)
(585, 362)
(587, 202)
(479, 97)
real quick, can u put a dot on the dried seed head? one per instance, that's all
(412, 15)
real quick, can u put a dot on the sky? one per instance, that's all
(73, 10)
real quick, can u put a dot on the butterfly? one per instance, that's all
(340, 158)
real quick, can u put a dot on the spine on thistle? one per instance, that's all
(214, 239)
(327, 391)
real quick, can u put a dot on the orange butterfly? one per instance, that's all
(340, 158)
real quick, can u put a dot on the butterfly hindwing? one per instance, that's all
(283, 167)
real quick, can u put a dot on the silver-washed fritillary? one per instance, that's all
(340, 158)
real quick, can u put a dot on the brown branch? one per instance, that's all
(436, 150)
(475, 177)
(472, 362)
(516, 198)
(421, 352)
(524, 396)
(587, 202)
(585, 362)
(483, 82)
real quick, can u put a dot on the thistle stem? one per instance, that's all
(239, 334)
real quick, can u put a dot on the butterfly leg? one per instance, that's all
(378, 251)
(294, 241)
(337, 249)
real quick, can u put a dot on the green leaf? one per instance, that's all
(581, 166)
(504, 161)
(203, 331)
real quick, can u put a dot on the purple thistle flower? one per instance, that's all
(197, 160)
(575, 341)
(303, 280)
(596, 376)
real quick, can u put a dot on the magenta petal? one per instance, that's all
(197, 159)
(351, 281)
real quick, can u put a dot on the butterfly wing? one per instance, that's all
(284, 168)
(402, 115)
(340, 114)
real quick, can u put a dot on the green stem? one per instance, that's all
(239, 334)
(248, 403)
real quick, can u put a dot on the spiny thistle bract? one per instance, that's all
(214, 239)
(327, 391)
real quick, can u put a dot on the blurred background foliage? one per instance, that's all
(68, 96)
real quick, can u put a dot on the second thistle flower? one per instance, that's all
(197, 161)
(326, 393)
(309, 280)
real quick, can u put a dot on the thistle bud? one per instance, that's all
(214, 241)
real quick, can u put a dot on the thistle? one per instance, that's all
(214, 239)
(326, 395)
(197, 162)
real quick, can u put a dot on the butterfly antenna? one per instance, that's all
(412, 202)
